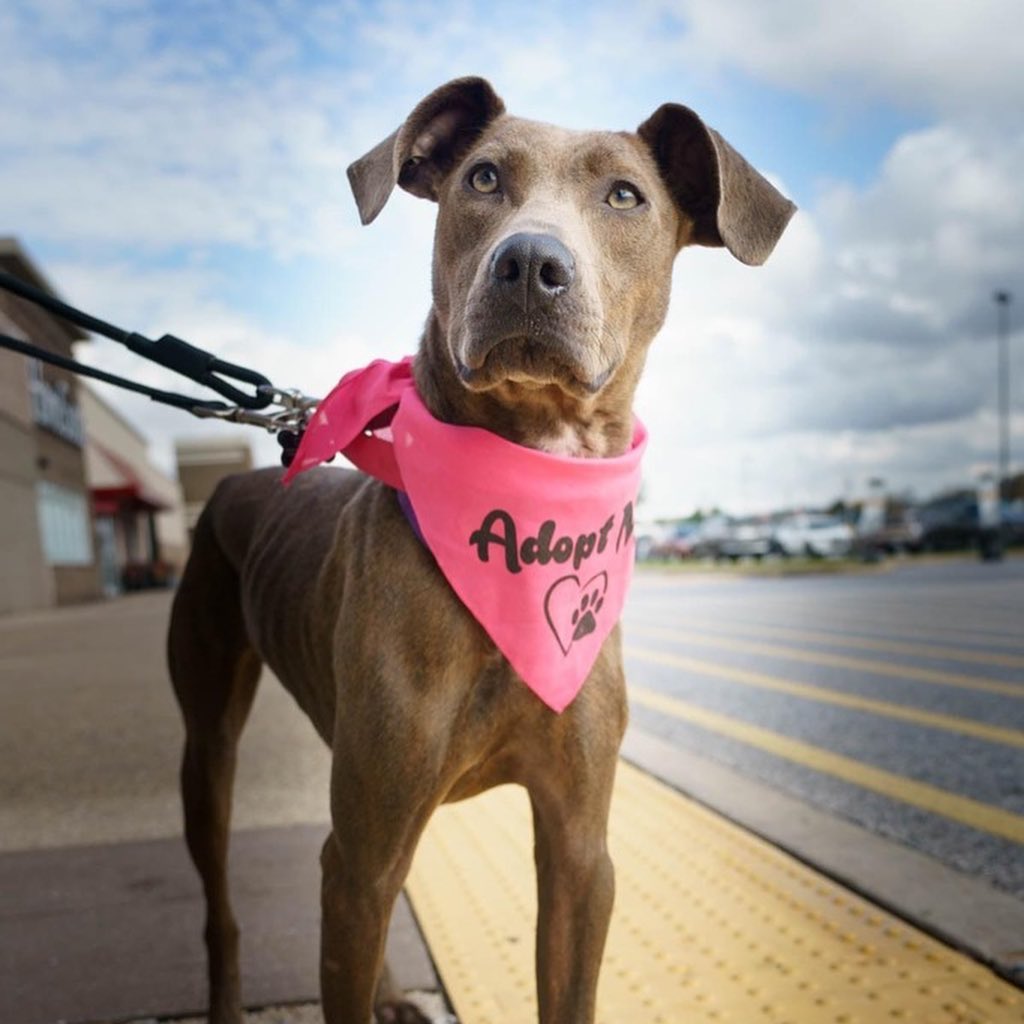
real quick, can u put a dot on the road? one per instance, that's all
(894, 699)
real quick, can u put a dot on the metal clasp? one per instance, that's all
(296, 409)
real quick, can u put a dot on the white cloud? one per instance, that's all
(870, 329)
(146, 147)
(955, 58)
(107, 129)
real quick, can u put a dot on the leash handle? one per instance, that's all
(195, 406)
(202, 367)
(171, 352)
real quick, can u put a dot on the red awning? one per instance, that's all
(128, 494)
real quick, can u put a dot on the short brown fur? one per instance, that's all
(326, 584)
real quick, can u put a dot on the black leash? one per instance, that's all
(166, 397)
(179, 356)
(169, 351)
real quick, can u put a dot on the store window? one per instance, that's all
(64, 525)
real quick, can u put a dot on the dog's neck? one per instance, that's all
(543, 417)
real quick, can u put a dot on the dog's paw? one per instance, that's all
(400, 1013)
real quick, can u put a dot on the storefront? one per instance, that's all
(47, 543)
(139, 512)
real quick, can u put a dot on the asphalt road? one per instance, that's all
(894, 699)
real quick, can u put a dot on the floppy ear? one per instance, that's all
(425, 148)
(729, 202)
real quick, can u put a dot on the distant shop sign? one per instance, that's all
(52, 408)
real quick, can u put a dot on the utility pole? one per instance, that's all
(1002, 300)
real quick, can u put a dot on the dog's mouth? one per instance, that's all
(530, 362)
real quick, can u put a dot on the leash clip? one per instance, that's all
(288, 422)
(291, 399)
(296, 409)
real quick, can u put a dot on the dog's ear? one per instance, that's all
(425, 148)
(729, 203)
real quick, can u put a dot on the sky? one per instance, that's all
(179, 166)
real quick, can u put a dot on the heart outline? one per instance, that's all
(581, 588)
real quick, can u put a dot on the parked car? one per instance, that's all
(721, 537)
(677, 543)
(1013, 522)
(749, 538)
(949, 524)
(900, 531)
(710, 535)
(814, 534)
(648, 536)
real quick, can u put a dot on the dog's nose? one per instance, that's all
(535, 268)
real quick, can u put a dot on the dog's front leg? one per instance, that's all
(575, 889)
(379, 807)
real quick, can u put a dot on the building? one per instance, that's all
(202, 464)
(139, 510)
(83, 510)
(47, 549)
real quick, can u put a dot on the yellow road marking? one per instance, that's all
(883, 668)
(1007, 638)
(842, 639)
(919, 630)
(917, 716)
(962, 809)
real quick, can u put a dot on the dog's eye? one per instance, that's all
(484, 178)
(624, 196)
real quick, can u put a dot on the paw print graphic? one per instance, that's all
(572, 608)
(584, 619)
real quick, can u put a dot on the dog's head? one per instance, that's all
(553, 254)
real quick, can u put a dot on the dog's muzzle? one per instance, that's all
(528, 319)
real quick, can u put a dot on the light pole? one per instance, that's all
(1002, 300)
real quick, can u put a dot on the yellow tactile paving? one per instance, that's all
(712, 926)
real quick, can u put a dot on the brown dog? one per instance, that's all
(552, 266)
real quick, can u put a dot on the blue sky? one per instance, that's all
(179, 166)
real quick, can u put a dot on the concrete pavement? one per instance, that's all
(100, 908)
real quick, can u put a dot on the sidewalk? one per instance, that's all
(100, 907)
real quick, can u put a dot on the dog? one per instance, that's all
(552, 267)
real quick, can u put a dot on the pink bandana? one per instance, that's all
(538, 547)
